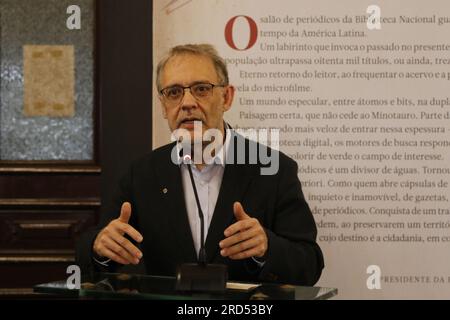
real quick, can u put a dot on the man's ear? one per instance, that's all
(228, 96)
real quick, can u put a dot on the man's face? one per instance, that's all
(186, 70)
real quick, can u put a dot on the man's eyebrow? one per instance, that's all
(191, 84)
(201, 81)
(173, 85)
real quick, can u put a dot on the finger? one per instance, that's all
(253, 252)
(113, 256)
(125, 212)
(126, 244)
(129, 230)
(241, 247)
(238, 237)
(239, 212)
(239, 226)
(245, 254)
(119, 250)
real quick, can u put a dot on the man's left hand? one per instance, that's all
(244, 239)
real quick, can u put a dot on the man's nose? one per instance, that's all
(188, 100)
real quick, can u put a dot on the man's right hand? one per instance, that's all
(112, 244)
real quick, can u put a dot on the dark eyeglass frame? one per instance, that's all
(163, 91)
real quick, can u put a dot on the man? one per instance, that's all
(259, 225)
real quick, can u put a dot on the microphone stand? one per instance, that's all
(202, 253)
(200, 277)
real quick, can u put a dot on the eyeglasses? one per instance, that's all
(200, 91)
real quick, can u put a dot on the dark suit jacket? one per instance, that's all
(276, 201)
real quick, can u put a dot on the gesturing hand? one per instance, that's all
(111, 243)
(245, 238)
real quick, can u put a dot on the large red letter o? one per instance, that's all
(229, 33)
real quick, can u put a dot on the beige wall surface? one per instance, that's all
(364, 112)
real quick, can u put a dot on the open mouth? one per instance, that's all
(190, 121)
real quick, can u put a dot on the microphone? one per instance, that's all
(200, 277)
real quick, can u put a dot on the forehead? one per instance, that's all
(186, 69)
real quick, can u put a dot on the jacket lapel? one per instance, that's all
(235, 182)
(169, 176)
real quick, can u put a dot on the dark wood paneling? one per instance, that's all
(33, 271)
(43, 229)
(126, 70)
(44, 185)
(37, 239)
(45, 205)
